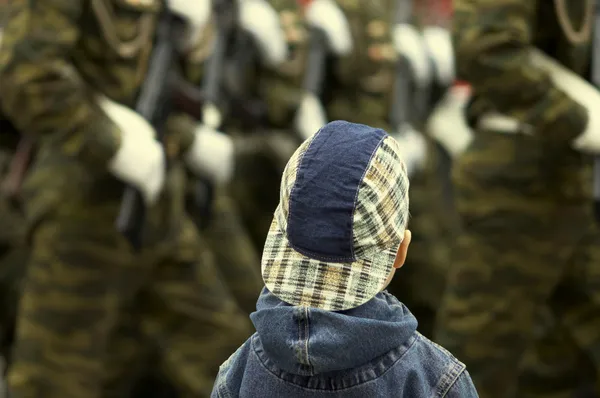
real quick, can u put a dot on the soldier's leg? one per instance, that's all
(131, 369)
(72, 289)
(191, 316)
(498, 279)
(13, 265)
(577, 299)
(555, 366)
(67, 310)
(235, 255)
(128, 356)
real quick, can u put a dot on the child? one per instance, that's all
(325, 326)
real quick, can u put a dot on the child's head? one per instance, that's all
(339, 231)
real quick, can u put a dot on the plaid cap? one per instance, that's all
(341, 217)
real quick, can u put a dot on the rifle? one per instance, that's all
(154, 104)
(310, 115)
(595, 77)
(399, 112)
(226, 16)
(316, 62)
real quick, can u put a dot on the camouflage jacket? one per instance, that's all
(56, 55)
(492, 38)
(360, 85)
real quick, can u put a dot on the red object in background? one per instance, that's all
(304, 3)
(434, 12)
(461, 89)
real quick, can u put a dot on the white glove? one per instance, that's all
(140, 160)
(327, 16)
(579, 90)
(211, 155)
(439, 45)
(447, 123)
(589, 140)
(413, 149)
(410, 44)
(310, 116)
(195, 13)
(259, 19)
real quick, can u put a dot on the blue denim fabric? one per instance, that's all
(322, 202)
(370, 351)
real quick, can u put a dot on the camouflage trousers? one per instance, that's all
(236, 257)
(524, 250)
(13, 252)
(555, 367)
(434, 224)
(88, 297)
(13, 262)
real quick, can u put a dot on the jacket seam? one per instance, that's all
(414, 339)
(453, 371)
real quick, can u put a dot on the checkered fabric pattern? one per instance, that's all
(379, 220)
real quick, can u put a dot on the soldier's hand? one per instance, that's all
(211, 155)
(328, 17)
(447, 123)
(140, 159)
(580, 91)
(195, 13)
(410, 44)
(413, 149)
(438, 42)
(261, 20)
(310, 116)
(589, 140)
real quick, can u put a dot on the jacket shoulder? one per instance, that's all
(227, 383)
(439, 365)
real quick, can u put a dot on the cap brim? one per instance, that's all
(304, 281)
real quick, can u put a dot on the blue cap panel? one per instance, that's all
(321, 205)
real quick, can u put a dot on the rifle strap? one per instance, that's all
(564, 20)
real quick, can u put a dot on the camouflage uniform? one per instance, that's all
(84, 283)
(529, 236)
(13, 251)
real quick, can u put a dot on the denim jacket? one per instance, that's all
(370, 351)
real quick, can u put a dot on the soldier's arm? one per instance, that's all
(42, 92)
(492, 39)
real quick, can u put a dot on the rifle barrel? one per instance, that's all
(153, 96)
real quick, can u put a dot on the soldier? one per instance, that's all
(264, 128)
(69, 70)
(523, 187)
(247, 117)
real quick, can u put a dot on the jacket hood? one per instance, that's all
(309, 341)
